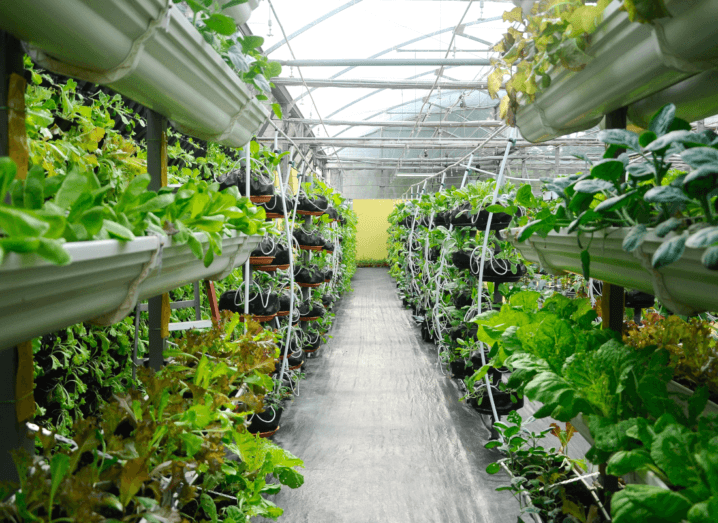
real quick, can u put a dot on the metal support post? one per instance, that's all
(466, 172)
(613, 304)
(247, 266)
(17, 403)
(159, 306)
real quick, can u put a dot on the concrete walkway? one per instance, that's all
(380, 429)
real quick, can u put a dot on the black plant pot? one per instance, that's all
(267, 247)
(266, 421)
(459, 370)
(502, 401)
(317, 204)
(461, 216)
(639, 300)
(498, 271)
(259, 185)
(259, 304)
(426, 333)
(500, 221)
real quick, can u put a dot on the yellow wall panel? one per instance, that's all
(372, 228)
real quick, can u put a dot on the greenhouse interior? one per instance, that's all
(359, 261)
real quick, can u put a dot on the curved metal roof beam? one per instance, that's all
(394, 48)
(310, 25)
(473, 133)
(380, 112)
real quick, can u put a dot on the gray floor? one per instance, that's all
(380, 429)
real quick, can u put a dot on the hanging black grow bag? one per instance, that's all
(459, 370)
(312, 343)
(316, 311)
(502, 401)
(316, 204)
(499, 271)
(434, 254)
(327, 300)
(461, 259)
(308, 239)
(328, 246)
(639, 300)
(332, 213)
(461, 216)
(308, 275)
(284, 302)
(274, 205)
(266, 421)
(259, 185)
(267, 247)
(264, 304)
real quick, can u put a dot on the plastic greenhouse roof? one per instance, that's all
(388, 28)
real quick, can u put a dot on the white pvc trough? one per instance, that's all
(103, 283)
(146, 50)
(685, 287)
(630, 61)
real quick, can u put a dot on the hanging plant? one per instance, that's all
(547, 35)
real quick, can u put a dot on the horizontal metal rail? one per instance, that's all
(429, 125)
(387, 62)
(362, 83)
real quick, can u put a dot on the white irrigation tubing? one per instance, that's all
(411, 240)
(499, 182)
(439, 273)
(290, 237)
(247, 269)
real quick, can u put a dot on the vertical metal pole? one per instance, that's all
(17, 404)
(499, 183)
(158, 307)
(612, 304)
(466, 172)
(247, 269)
(197, 302)
(557, 158)
(288, 232)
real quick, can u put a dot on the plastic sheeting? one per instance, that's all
(381, 430)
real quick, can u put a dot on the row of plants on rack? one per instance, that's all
(45, 212)
(435, 254)
(88, 182)
(645, 195)
(319, 233)
(560, 357)
(174, 448)
(442, 287)
(239, 52)
(547, 36)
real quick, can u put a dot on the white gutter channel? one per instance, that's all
(631, 61)
(146, 50)
(103, 283)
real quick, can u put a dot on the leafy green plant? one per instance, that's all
(76, 207)
(538, 473)
(131, 461)
(641, 196)
(239, 52)
(551, 36)
(691, 343)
